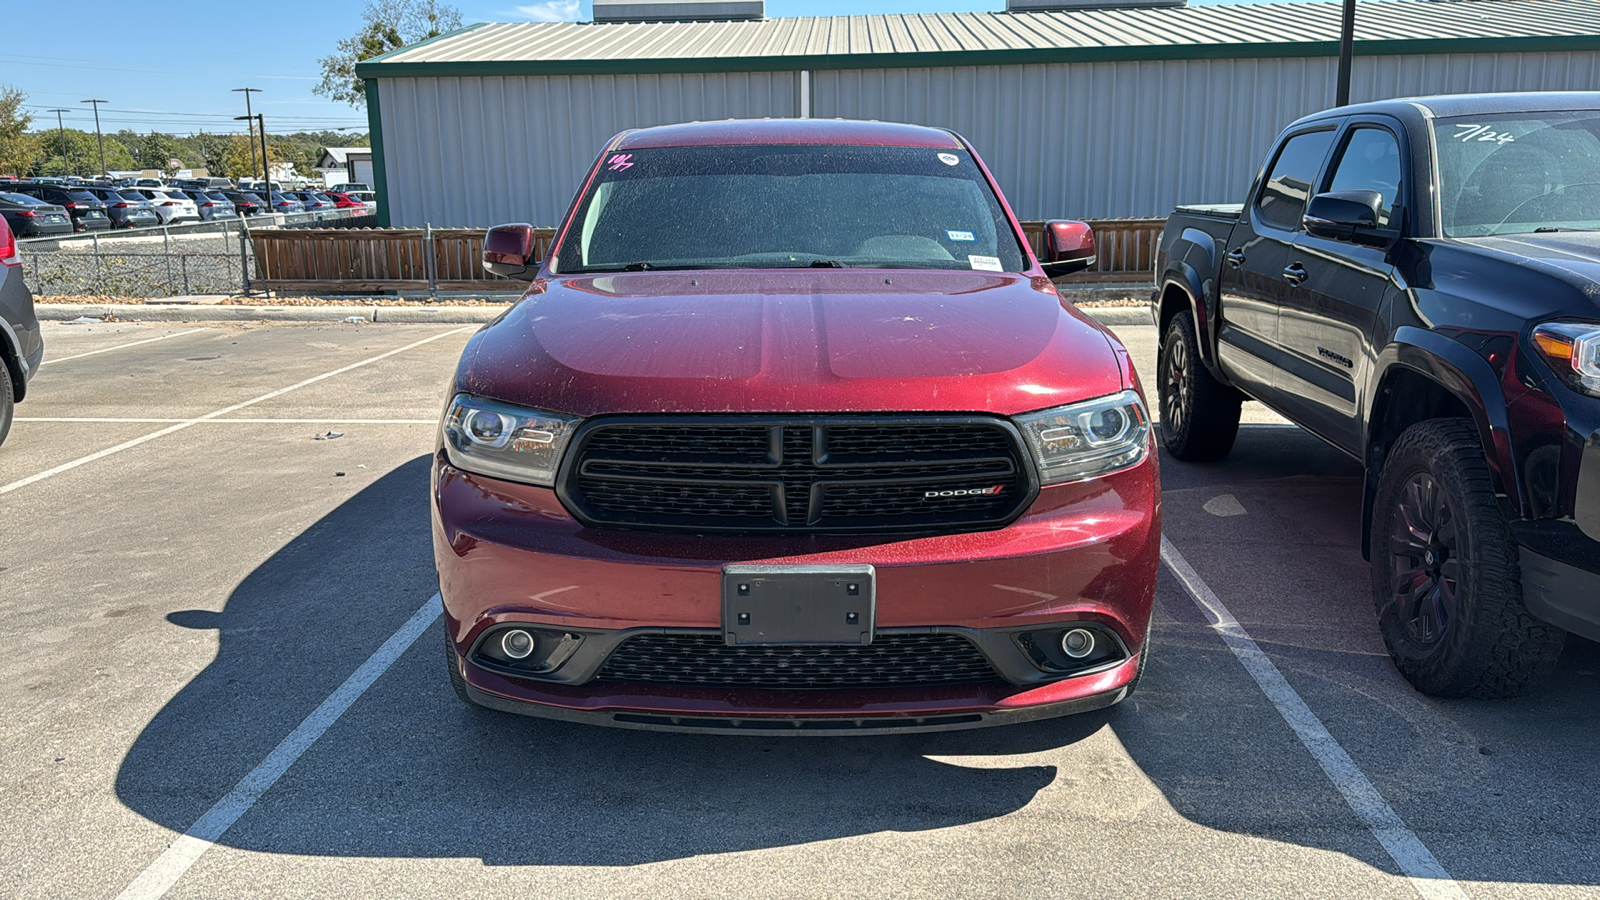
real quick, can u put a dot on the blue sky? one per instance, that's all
(180, 81)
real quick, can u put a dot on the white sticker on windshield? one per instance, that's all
(985, 263)
(950, 159)
(1466, 133)
(961, 235)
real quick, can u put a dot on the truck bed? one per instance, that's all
(1228, 211)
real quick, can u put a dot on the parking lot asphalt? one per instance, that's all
(184, 592)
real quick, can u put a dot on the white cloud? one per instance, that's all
(550, 11)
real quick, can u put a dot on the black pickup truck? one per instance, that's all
(1417, 281)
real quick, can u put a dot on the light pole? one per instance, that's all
(99, 139)
(1347, 46)
(61, 129)
(247, 92)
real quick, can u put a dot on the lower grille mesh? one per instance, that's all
(705, 660)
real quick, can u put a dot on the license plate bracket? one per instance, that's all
(776, 604)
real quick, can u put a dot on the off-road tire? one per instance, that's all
(1199, 414)
(1483, 641)
(8, 403)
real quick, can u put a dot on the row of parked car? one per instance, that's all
(39, 209)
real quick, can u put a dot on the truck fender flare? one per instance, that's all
(1464, 375)
(1194, 246)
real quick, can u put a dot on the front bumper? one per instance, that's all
(1083, 553)
(1560, 575)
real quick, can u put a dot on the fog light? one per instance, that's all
(517, 644)
(1077, 643)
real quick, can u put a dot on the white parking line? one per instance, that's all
(161, 875)
(82, 460)
(332, 421)
(121, 346)
(1427, 876)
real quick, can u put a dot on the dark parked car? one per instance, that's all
(313, 202)
(87, 210)
(212, 205)
(1415, 281)
(21, 345)
(285, 204)
(125, 212)
(245, 203)
(848, 464)
(32, 217)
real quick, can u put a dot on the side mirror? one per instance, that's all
(1068, 247)
(508, 251)
(1341, 215)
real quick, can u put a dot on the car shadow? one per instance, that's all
(412, 772)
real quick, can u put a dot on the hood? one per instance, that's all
(823, 340)
(1569, 256)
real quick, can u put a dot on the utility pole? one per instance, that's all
(99, 138)
(248, 118)
(266, 169)
(61, 128)
(1347, 46)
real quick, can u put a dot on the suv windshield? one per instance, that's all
(790, 206)
(1519, 173)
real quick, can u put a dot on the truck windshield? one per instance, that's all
(1516, 174)
(789, 206)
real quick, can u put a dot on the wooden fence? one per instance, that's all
(370, 260)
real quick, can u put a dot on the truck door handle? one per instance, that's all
(1235, 258)
(1296, 274)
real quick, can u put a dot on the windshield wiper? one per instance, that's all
(637, 267)
(826, 264)
(1551, 229)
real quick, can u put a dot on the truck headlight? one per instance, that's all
(1089, 439)
(1573, 350)
(504, 441)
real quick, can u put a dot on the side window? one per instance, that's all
(1370, 161)
(1283, 198)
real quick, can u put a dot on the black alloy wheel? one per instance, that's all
(1445, 580)
(1424, 556)
(1199, 414)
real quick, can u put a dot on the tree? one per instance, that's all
(163, 152)
(237, 161)
(18, 149)
(389, 25)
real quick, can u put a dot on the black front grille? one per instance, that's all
(891, 660)
(828, 475)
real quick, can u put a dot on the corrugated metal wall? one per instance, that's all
(1097, 140)
(474, 152)
(1107, 140)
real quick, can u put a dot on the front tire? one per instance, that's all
(1199, 414)
(1445, 579)
(453, 662)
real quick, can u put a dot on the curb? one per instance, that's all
(158, 312)
(413, 315)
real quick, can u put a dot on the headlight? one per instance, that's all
(506, 441)
(1573, 350)
(1089, 439)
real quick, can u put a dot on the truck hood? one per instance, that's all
(1569, 256)
(823, 340)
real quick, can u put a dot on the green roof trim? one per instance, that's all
(380, 175)
(964, 58)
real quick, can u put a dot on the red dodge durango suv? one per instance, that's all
(792, 433)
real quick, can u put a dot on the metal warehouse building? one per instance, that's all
(1119, 110)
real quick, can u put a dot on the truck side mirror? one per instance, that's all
(508, 251)
(1068, 247)
(1340, 215)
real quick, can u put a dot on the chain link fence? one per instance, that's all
(203, 258)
